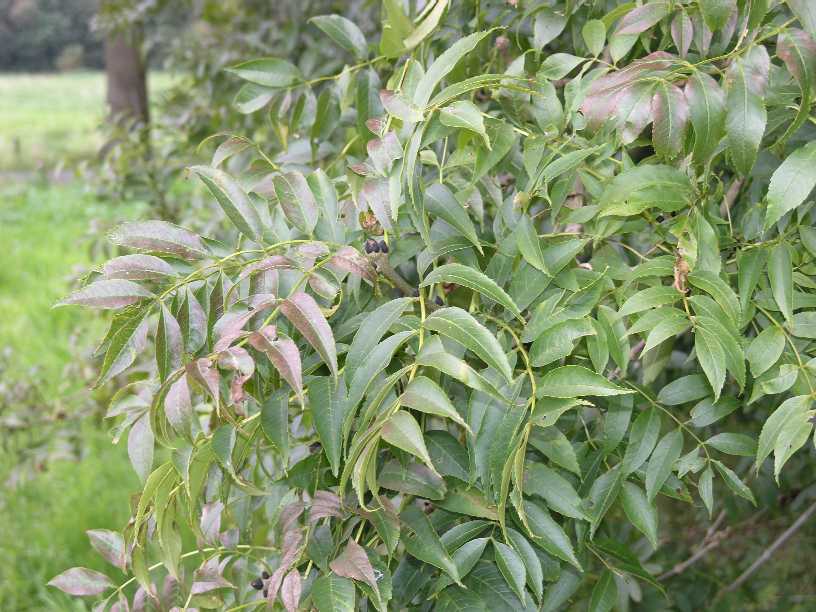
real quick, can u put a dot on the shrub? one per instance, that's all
(485, 300)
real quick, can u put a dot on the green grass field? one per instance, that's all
(50, 236)
(46, 119)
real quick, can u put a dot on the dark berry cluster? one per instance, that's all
(260, 583)
(372, 246)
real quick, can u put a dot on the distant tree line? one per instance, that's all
(48, 35)
(44, 35)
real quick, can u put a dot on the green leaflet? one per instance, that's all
(473, 279)
(403, 431)
(640, 511)
(576, 381)
(233, 200)
(443, 65)
(344, 32)
(421, 541)
(460, 326)
(327, 398)
(332, 593)
(441, 202)
(549, 534)
(426, 396)
(643, 187)
(791, 183)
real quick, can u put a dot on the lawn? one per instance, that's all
(46, 119)
(62, 475)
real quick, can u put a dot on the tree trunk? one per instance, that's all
(126, 75)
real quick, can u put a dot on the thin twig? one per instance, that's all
(768, 552)
(712, 539)
(384, 267)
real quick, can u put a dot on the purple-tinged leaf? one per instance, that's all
(238, 359)
(138, 267)
(233, 200)
(682, 32)
(178, 408)
(671, 117)
(633, 108)
(140, 446)
(349, 259)
(376, 195)
(383, 152)
(325, 504)
(169, 344)
(323, 285)
(210, 577)
(642, 18)
(211, 521)
(290, 591)
(296, 200)
(706, 102)
(805, 12)
(231, 146)
(798, 50)
(108, 294)
(206, 374)
(304, 313)
(275, 262)
(193, 322)
(160, 237)
(111, 545)
(746, 117)
(284, 355)
(231, 326)
(353, 563)
(81, 581)
(401, 107)
(600, 104)
(274, 585)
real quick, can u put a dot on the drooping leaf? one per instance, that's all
(81, 581)
(441, 202)
(549, 535)
(426, 396)
(404, 432)
(233, 200)
(305, 315)
(344, 32)
(462, 327)
(661, 464)
(472, 279)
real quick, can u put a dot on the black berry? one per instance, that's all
(438, 300)
(371, 246)
(383, 247)
(265, 575)
(257, 584)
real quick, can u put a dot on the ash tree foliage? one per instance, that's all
(487, 300)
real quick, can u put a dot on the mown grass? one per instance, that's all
(51, 234)
(49, 238)
(46, 119)
(43, 521)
